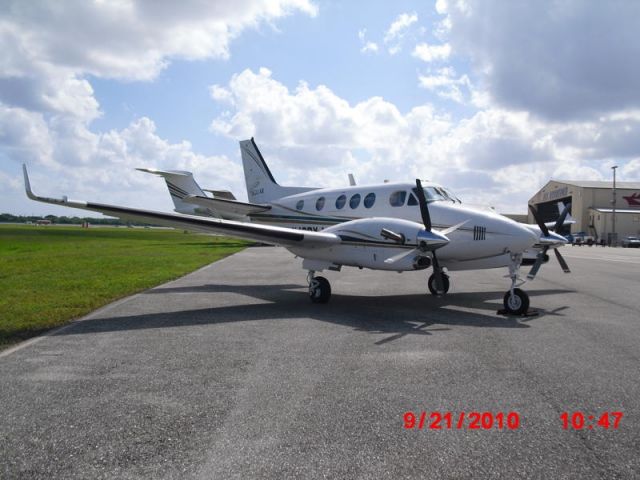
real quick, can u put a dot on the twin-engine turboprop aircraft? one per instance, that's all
(391, 226)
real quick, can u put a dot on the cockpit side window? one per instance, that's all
(412, 200)
(397, 198)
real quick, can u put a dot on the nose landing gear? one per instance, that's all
(515, 301)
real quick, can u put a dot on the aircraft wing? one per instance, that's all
(247, 231)
(223, 205)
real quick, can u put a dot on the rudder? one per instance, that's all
(261, 186)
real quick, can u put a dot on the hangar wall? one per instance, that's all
(591, 206)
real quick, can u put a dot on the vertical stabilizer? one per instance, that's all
(180, 184)
(261, 186)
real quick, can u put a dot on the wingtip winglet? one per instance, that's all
(27, 183)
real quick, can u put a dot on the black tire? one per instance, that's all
(431, 283)
(519, 305)
(319, 290)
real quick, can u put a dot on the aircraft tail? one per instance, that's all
(569, 218)
(180, 184)
(261, 186)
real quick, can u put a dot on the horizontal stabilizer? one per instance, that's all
(223, 206)
(155, 171)
(568, 221)
(221, 194)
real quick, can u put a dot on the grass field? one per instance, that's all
(50, 275)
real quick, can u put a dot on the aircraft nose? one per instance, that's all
(519, 236)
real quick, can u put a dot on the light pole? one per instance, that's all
(614, 237)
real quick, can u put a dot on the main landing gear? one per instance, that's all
(515, 301)
(431, 283)
(319, 288)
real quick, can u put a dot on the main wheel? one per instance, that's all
(319, 290)
(516, 304)
(431, 283)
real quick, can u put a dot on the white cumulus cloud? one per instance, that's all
(561, 60)
(431, 53)
(397, 30)
(50, 51)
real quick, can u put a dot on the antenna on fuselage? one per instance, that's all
(352, 180)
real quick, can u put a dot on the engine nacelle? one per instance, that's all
(364, 244)
(370, 230)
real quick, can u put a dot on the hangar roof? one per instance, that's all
(599, 184)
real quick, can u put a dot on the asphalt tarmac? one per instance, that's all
(231, 372)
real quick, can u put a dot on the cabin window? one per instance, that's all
(397, 198)
(341, 201)
(300, 205)
(369, 200)
(412, 200)
(320, 203)
(354, 201)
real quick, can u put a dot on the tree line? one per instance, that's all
(60, 220)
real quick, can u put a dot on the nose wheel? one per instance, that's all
(319, 289)
(516, 302)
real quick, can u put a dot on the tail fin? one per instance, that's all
(569, 218)
(261, 186)
(180, 184)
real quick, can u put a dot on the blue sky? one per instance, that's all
(321, 50)
(488, 97)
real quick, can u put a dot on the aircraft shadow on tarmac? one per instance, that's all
(396, 315)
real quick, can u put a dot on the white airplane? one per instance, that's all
(390, 226)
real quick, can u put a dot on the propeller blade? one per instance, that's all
(424, 208)
(561, 261)
(562, 217)
(541, 224)
(452, 229)
(536, 266)
(437, 272)
(401, 256)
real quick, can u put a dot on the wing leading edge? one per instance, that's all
(247, 231)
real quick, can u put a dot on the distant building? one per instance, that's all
(591, 206)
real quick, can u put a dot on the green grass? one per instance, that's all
(51, 275)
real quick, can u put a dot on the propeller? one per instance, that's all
(542, 255)
(424, 207)
(428, 239)
(426, 219)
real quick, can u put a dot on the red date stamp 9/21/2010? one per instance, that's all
(461, 420)
(503, 420)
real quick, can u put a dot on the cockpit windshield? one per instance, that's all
(449, 195)
(439, 194)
